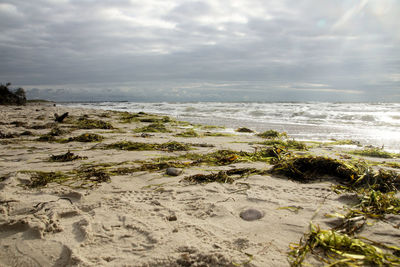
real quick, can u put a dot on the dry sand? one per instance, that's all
(148, 218)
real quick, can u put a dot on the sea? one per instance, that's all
(375, 124)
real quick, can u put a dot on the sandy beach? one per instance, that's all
(101, 189)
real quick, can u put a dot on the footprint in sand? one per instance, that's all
(29, 250)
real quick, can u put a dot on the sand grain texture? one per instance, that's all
(148, 218)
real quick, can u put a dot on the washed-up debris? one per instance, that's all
(188, 133)
(244, 130)
(86, 137)
(7, 135)
(375, 152)
(270, 134)
(39, 178)
(153, 128)
(60, 119)
(65, 157)
(85, 123)
(336, 249)
(128, 145)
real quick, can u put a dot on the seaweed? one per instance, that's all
(18, 123)
(169, 146)
(354, 175)
(85, 123)
(244, 130)
(65, 157)
(286, 144)
(43, 126)
(79, 178)
(309, 168)
(40, 178)
(375, 152)
(46, 138)
(126, 117)
(271, 134)
(153, 128)
(104, 115)
(221, 176)
(27, 133)
(8, 135)
(51, 136)
(188, 133)
(156, 119)
(217, 134)
(130, 146)
(94, 175)
(226, 157)
(385, 181)
(210, 127)
(377, 204)
(173, 146)
(56, 131)
(86, 137)
(334, 248)
(393, 164)
(343, 142)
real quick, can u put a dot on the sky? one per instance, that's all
(210, 50)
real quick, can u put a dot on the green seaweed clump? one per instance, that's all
(127, 117)
(188, 133)
(130, 146)
(217, 134)
(8, 135)
(385, 181)
(46, 138)
(156, 119)
(94, 175)
(221, 176)
(393, 165)
(153, 128)
(336, 249)
(377, 204)
(56, 131)
(137, 146)
(64, 157)
(173, 146)
(226, 157)
(309, 168)
(244, 130)
(85, 123)
(86, 137)
(51, 136)
(343, 142)
(40, 179)
(286, 144)
(271, 134)
(374, 152)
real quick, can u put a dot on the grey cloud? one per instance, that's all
(270, 43)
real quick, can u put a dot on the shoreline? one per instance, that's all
(115, 205)
(333, 123)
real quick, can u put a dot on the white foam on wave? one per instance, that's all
(370, 123)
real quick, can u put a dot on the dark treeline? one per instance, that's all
(11, 97)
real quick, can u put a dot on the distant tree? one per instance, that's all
(8, 97)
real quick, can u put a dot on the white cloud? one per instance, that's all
(349, 14)
(316, 45)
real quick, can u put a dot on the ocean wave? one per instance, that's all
(374, 123)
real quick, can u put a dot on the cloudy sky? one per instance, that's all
(180, 50)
